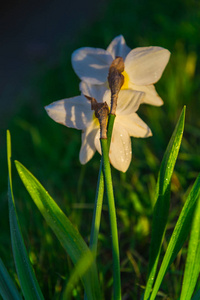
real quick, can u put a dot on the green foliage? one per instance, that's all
(7, 287)
(29, 284)
(192, 268)
(66, 233)
(162, 197)
(179, 235)
(79, 271)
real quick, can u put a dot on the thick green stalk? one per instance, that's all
(99, 197)
(113, 220)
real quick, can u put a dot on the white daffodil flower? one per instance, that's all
(76, 113)
(143, 67)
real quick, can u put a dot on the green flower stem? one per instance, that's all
(99, 195)
(113, 219)
(111, 121)
(97, 211)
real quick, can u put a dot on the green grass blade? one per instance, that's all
(179, 234)
(162, 199)
(8, 289)
(67, 234)
(29, 285)
(192, 268)
(81, 267)
(196, 296)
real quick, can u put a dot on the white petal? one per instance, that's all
(120, 148)
(134, 125)
(150, 96)
(91, 64)
(97, 142)
(93, 90)
(145, 65)
(118, 47)
(72, 112)
(128, 102)
(88, 147)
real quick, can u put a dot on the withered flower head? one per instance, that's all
(115, 80)
(101, 113)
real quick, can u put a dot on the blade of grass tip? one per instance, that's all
(179, 234)
(162, 199)
(66, 233)
(8, 289)
(192, 267)
(28, 282)
(81, 267)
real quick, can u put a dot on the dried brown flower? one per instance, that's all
(101, 113)
(115, 80)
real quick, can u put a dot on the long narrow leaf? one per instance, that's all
(196, 296)
(192, 268)
(66, 233)
(29, 285)
(8, 289)
(162, 198)
(179, 234)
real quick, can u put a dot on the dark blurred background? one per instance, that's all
(33, 32)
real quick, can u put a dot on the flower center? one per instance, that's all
(126, 81)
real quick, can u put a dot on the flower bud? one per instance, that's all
(115, 80)
(101, 113)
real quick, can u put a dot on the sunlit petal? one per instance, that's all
(145, 65)
(118, 47)
(93, 90)
(120, 149)
(97, 142)
(88, 147)
(150, 94)
(134, 125)
(72, 112)
(128, 102)
(92, 64)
